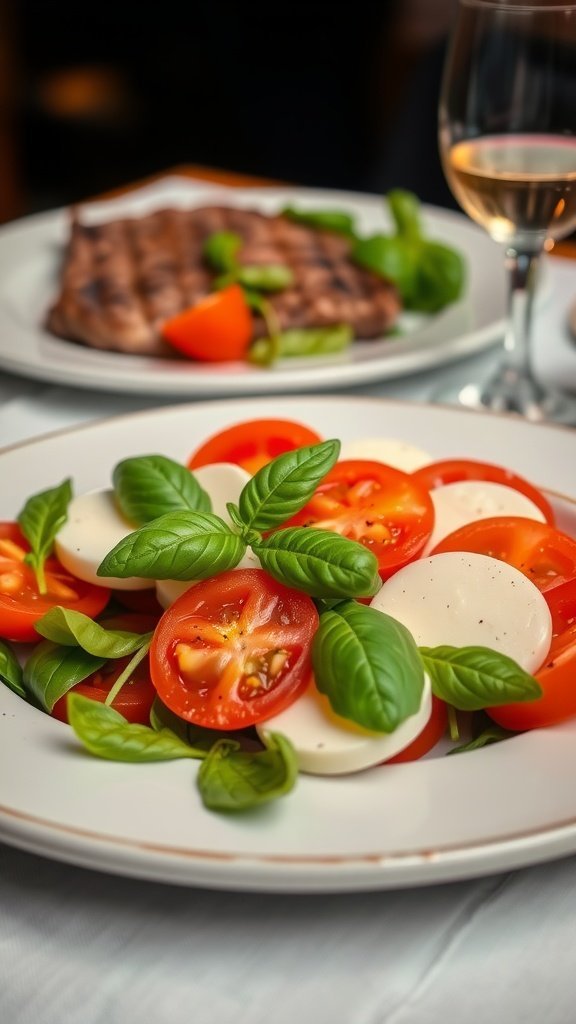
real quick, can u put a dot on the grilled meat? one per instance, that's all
(121, 280)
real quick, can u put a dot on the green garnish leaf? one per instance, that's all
(230, 779)
(221, 250)
(177, 546)
(301, 342)
(323, 220)
(320, 563)
(106, 733)
(149, 486)
(284, 485)
(493, 734)
(368, 666)
(10, 669)
(269, 277)
(43, 515)
(74, 629)
(471, 678)
(52, 670)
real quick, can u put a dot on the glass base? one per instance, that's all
(521, 396)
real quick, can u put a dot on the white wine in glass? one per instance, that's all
(507, 124)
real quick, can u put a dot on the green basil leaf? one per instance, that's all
(405, 208)
(324, 220)
(221, 250)
(301, 342)
(196, 735)
(368, 666)
(231, 780)
(493, 734)
(42, 517)
(70, 628)
(107, 734)
(177, 546)
(11, 670)
(51, 671)
(471, 678)
(283, 486)
(270, 277)
(319, 562)
(150, 486)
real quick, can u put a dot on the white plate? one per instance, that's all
(31, 251)
(502, 807)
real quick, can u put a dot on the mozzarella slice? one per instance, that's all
(399, 454)
(94, 526)
(327, 744)
(464, 599)
(457, 504)
(223, 482)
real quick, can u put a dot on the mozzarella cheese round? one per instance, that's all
(463, 599)
(399, 454)
(223, 482)
(464, 502)
(94, 526)
(327, 744)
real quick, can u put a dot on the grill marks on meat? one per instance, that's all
(121, 280)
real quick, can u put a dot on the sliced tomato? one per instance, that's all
(233, 650)
(21, 604)
(253, 443)
(557, 676)
(134, 700)
(431, 734)
(383, 508)
(452, 471)
(546, 555)
(217, 329)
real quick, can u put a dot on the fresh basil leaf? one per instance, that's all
(324, 220)
(221, 250)
(282, 487)
(368, 666)
(319, 562)
(107, 734)
(231, 780)
(40, 520)
(150, 486)
(11, 670)
(269, 277)
(71, 628)
(406, 209)
(493, 734)
(471, 678)
(177, 546)
(52, 670)
(301, 342)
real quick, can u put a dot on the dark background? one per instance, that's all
(93, 96)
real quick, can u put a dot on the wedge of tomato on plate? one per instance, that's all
(21, 603)
(252, 444)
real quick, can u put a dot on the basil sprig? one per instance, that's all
(150, 486)
(492, 734)
(230, 779)
(320, 563)
(106, 733)
(52, 670)
(472, 678)
(74, 629)
(178, 546)
(368, 666)
(40, 520)
(11, 670)
(284, 485)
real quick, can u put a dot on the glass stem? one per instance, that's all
(522, 269)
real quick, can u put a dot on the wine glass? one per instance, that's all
(507, 133)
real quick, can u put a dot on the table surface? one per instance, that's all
(79, 946)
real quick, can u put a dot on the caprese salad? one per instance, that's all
(285, 603)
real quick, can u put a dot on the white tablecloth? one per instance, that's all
(79, 946)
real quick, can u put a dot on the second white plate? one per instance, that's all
(31, 251)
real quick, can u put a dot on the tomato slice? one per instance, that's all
(21, 605)
(253, 443)
(134, 700)
(383, 508)
(541, 552)
(217, 329)
(233, 650)
(431, 734)
(451, 471)
(557, 676)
